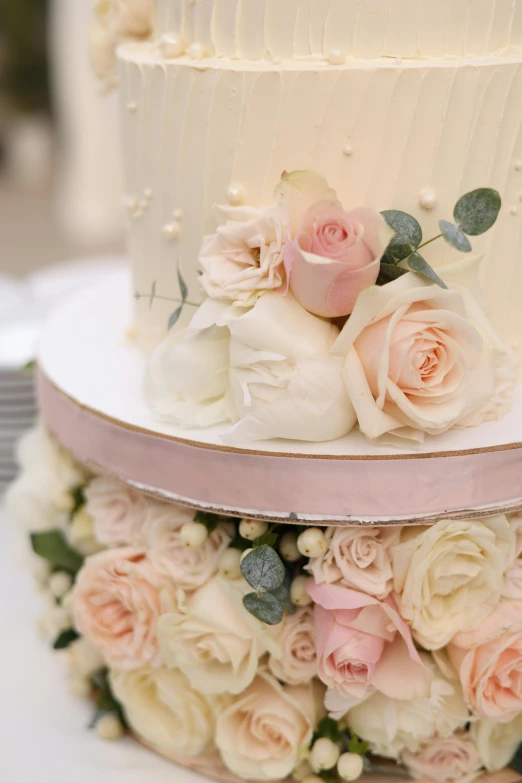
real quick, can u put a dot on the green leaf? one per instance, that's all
(516, 761)
(65, 639)
(477, 211)
(152, 295)
(329, 728)
(53, 547)
(269, 539)
(455, 237)
(29, 367)
(182, 286)
(211, 521)
(417, 264)
(264, 606)
(105, 699)
(389, 273)
(174, 318)
(358, 746)
(408, 233)
(283, 595)
(78, 499)
(240, 543)
(263, 569)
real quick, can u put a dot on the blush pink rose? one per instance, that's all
(118, 511)
(117, 600)
(363, 646)
(489, 664)
(445, 760)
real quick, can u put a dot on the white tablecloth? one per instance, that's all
(43, 734)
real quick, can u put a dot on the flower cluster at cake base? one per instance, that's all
(317, 320)
(277, 650)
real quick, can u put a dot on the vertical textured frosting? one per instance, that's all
(366, 29)
(387, 135)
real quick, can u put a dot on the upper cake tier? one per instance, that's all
(365, 29)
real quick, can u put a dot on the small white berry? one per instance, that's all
(193, 535)
(325, 754)
(252, 528)
(245, 553)
(350, 766)
(79, 688)
(288, 547)
(312, 542)
(313, 779)
(230, 564)
(41, 570)
(302, 771)
(109, 727)
(298, 593)
(59, 584)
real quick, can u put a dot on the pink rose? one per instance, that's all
(116, 605)
(445, 760)
(330, 255)
(489, 664)
(296, 637)
(363, 646)
(117, 510)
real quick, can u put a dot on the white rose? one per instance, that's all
(42, 497)
(357, 557)
(263, 734)
(189, 568)
(418, 358)
(392, 726)
(118, 511)
(445, 760)
(245, 257)
(166, 712)
(214, 640)
(497, 743)
(284, 382)
(134, 18)
(512, 588)
(187, 374)
(448, 577)
(296, 637)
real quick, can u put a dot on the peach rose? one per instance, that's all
(363, 646)
(418, 358)
(118, 511)
(489, 664)
(188, 568)
(296, 637)
(117, 600)
(357, 557)
(330, 255)
(452, 759)
(262, 734)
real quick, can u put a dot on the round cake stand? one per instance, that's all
(90, 390)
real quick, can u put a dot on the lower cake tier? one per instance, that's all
(249, 651)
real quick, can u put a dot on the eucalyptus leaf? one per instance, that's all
(53, 547)
(182, 286)
(65, 639)
(174, 318)
(417, 264)
(263, 569)
(476, 212)
(455, 237)
(152, 295)
(389, 273)
(264, 606)
(408, 233)
(283, 594)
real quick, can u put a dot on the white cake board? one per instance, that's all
(92, 368)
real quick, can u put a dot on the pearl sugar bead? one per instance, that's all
(171, 45)
(336, 57)
(196, 51)
(235, 194)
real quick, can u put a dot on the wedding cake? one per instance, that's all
(275, 499)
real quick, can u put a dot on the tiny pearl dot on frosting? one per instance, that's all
(148, 193)
(132, 106)
(235, 194)
(336, 57)
(348, 151)
(171, 230)
(518, 165)
(398, 60)
(131, 203)
(520, 196)
(514, 210)
(196, 51)
(178, 214)
(172, 45)
(428, 199)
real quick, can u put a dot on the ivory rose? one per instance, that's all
(330, 255)
(445, 760)
(488, 662)
(213, 640)
(497, 743)
(363, 646)
(165, 712)
(117, 601)
(512, 588)
(419, 359)
(262, 735)
(297, 661)
(357, 557)
(283, 381)
(118, 511)
(393, 726)
(188, 568)
(245, 257)
(449, 576)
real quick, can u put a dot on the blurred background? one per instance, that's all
(61, 218)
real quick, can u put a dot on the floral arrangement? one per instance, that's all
(318, 320)
(279, 651)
